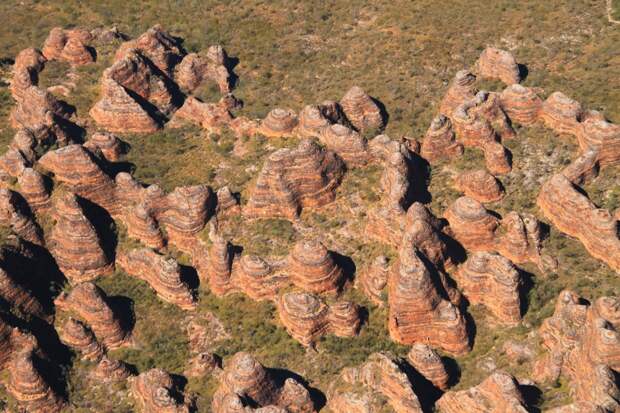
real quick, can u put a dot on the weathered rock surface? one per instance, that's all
(69, 46)
(356, 389)
(75, 244)
(161, 273)
(110, 370)
(14, 216)
(26, 383)
(471, 224)
(78, 336)
(292, 179)
(19, 297)
(361, 110)
(603, 137)
(34, 189)
(479, 185)
(154, 391)
(347, 143)
(90, 303)
(306, 317)
(162, 49)
(210, 116)
(521, 104)
(498, 393)
(109, 145)
(561, 114)
(417, 312)
(245, 382)
(574, 214)
(312, 122)
(312, 268)
(278, 123)
(373, 280)
(195, 68)
(498, 64)
(461, 89)
(493, 281)
(440, 142)
(429, 364)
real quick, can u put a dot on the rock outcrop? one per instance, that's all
(461, 89)
(69, 46)
(33, 188)
(472, 225)
(361, 110)
(154, 391)
(246, 382)
(109, 145)
(374, 279)
(162, 49)
(110, 370)
(313, 268)
(18, 297)
(196, 68)
(521, 104)
(74, 243)
(347, 144)
(90, 303)
(603, 137)
(312, 122)
(418, 313)
(574, 214)
(161, 273)
(498, 64)
(306, 317)
(356, 389)
(78, 336)
(561, 114)
(429, 364)
(499, 393)
(210, 116)
(15, 216)
(26, 384)
(440, 142)
(278, 123)
(292, 179)
(479, 185)
(493, 281)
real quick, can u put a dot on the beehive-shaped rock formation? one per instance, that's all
(417, 313)
(306, 317)
(292, 179)
(19, 297)
(429, 364)
(521, 104)
(110, 370)
(472, 129)
(142, 226)
(519, 238)
(209, 116)
(602, 136)
(25, 382)
(373, 280)
(479, 185)
(347, 143)
(278, 123)
(195, 68)
(78, 171)
(161, 273)
(154, 391)
(312, 268)
(498, 64)
(440, 142)
(69, 46)
(493, 281)
(488, 106)
(109, 145)
(471, 224)
(28, 64)
(256, 278)
(359, 389)
(312, 122)
(36, 107)
(561, 114)
(78, 336)
(462, 89)
(13, 215)
(90, 303)
(361, 110)
(245, 382)
(33, 188)
(499, 393)
(574, 214)
(162, 49)
(218, 265)
(74, 243)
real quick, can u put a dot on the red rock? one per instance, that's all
(497, 159)
(17, 297)
(312, 122)
(210, 116)
(55, 42)
(462, 88)
(574, 214)
(373, 280)
(493, 281)
(498, 64)
(89, 302)
(479, 185)
(12, 215)
(24, 141)
(361, 110)
(142, 226)
(34, 190)
(227, 202)
(519, 238)
(256, 278)
(306, 317)
(583, 168)
(6, 344)
(499, 393)
(312, 268)
(76, 53)
(521, 104)
(292, 179)
(245, 381)
(472, 129)
(13, 163)
(440, 142)
(156, 44)
(561, 113)
(28, 64)
(602, 136)
(110, 370)
(429, 364)
(26, 384)
(161, 273)
(78, 336)
(68, 45)
(194, 69)
(74, 243)
(347, 143)
(109, 145)
(154, 391)
(37, 107)
(471, 224)
(278, 123)
(218, 267)
(417, 313)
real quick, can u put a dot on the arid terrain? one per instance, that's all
(234, 207)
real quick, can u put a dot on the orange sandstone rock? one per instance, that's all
(159, 46)
(498, 64)
(462, 88)
(13, 215)
(312, 122)
(373, 280)
(278, 123)
(471, 224)
(210, 116)
(479, 185)
(429, 364)
(195, 68)
(439, 141)
(561, 113)
(312, 268)
(33, 188)
(78, 336)
(361, 110)
(521, 104)
(110, 370)
(109, 145)
(347, 143)
(69, 46)
(154, 391)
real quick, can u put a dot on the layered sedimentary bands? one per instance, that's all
(69, 219)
